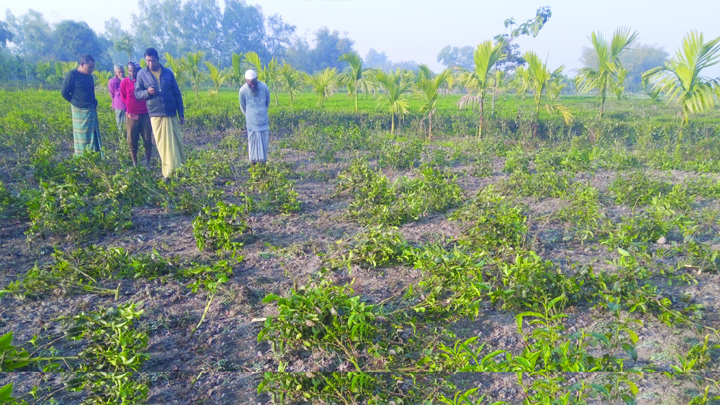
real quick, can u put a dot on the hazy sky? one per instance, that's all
(418, 29)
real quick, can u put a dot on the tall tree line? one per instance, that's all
(173, 26)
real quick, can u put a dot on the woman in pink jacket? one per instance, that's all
(137, 119)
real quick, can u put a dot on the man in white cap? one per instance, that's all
(254, 102)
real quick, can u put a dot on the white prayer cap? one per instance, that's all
(250, 74)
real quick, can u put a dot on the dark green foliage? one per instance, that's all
(219, 227)
(491, 221)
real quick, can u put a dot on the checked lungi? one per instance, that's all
(86, 130)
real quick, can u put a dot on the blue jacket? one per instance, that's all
(168, 103)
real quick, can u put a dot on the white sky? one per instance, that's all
(418, 29)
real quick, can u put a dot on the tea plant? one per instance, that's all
(219, 227)
(637, 189)
(376, 200)
(193, 186)
(542, 184)
(333, 388)
(321, 316)
(516, 159)
(278, 192)
(88, 270)
(492, 221)
(584, 210)
(375, 246)
(111, 349)
(209, 278)
(398, 155)
(69, 209)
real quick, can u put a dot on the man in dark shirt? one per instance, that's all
(78, 88)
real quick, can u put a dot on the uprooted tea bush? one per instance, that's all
(375, 246)
(101, 366)
(275, 191)
(375, 200)
(88, 269)
(219, 227)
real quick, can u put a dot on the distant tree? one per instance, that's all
(395, 86)
(610, 71)
(377, 60)
(299, 55)
(510, 49)
(452, 57)
(32, 35)
(278, 35)
(530, 27)
(329, 47)
(126, 45)
(73, 39)
(200, 27)
(5, 34)
(679, 79)
(478, 80)
(158, 24)
(638, 60)
(243, 28)
(323, 83)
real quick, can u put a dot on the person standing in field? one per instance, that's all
(137, 120)
(117, 104)
(157, 85)
(78, 88)
(254, 103)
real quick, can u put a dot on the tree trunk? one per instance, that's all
(482, 109)
(430, 126)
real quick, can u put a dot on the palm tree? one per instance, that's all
(238, 77)
(428, 90)
(176, 65)
(45, 72)
(324, 83)
(217, 76)
(680, 78)
(290, 80)
(521, 83)
(192, 64)
(609, 72)
(352, 77)
(395, 86)
(540, 79)
(103, 77)
(478, 80)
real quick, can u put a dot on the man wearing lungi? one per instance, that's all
(137, 120)
(79, 89)
(254, 102)
(156, 84)
(117, 104)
